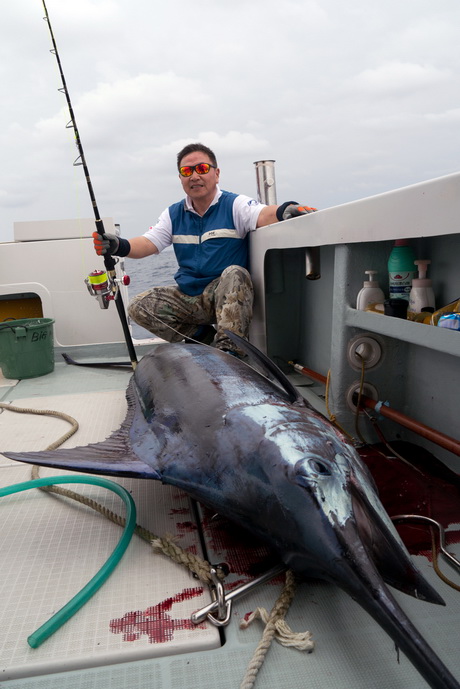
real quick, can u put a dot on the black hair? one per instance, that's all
(194, 148)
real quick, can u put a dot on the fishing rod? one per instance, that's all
(104, 286)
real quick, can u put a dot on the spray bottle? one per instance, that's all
(370, 292)
(421, 294)
(401, 269)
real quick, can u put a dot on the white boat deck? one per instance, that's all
(131, 634)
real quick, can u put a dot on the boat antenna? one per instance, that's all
(109, 261)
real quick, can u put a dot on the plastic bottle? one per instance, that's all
(370, 292)
(401, 269)
(452, 307)
(450, 321)
(421, 294)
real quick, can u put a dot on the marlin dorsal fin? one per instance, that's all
(271, 370)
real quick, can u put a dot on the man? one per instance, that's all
(209, 232)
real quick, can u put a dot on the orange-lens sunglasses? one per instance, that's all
(201, 168)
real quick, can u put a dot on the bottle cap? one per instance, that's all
(396, 307)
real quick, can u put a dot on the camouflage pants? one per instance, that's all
(172, 315)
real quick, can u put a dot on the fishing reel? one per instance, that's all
(104, 287)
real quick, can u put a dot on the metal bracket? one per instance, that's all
(222, 603)
(224, 606)
(400, 518)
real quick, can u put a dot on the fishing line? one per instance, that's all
(189, 337)
(109, 261)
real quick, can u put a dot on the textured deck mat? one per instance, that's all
(50, 549)
(52, 546)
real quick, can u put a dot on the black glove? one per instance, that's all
(291, 209)
(105, 243)
(109, 243)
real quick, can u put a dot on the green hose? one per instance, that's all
(66, 612)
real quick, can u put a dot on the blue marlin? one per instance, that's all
(247, 445)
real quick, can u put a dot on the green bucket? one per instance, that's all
(27, 347)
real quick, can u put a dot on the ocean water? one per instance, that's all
(151, 271)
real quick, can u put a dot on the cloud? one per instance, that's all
(144, 100)
(14, 198)
(233, 143)
(396, 78)
(348, 98)
(225, 145)
(410, 120)
(451, 116)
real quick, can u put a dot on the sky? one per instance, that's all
(350, 99)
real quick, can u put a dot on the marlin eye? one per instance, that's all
(319, 467)
(308, 471)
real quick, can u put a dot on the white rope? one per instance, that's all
(275, 628)
(46, 412)
(302, 641)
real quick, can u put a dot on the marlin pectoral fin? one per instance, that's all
(113, 456)
(271, 370)
(99, 458)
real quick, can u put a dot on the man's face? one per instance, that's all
(200, 188)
